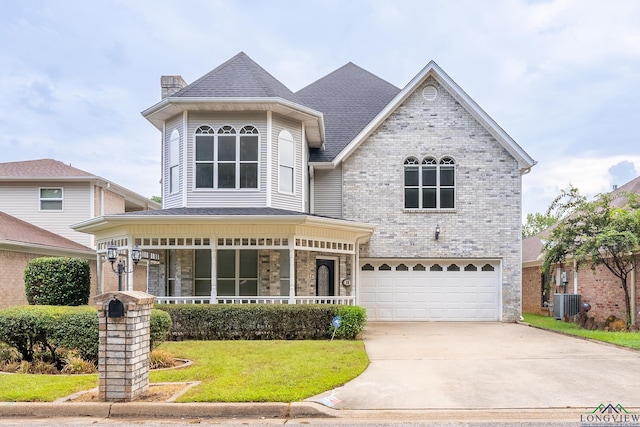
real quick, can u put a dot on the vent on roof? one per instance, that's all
(430, 93)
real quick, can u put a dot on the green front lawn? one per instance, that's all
(230, 371)
(625, 339)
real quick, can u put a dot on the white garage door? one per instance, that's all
(436, 291)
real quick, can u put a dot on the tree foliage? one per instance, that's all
(536, 223)
(57, 281)
(604, 231)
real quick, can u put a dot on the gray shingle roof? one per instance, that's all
(239, 77)
(350, 97)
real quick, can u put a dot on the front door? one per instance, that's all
(325, 277)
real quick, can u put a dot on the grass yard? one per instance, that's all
(230, 371)
(625, 339)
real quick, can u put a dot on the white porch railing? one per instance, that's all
(256, 300)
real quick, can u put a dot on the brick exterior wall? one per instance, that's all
(12, 266)
(486, 221)
(601, 289)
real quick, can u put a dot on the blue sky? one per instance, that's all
(562, 77)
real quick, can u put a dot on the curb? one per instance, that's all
(165, 410)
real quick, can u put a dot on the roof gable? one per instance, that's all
(433, 70)
(349, 97)
(239, 77)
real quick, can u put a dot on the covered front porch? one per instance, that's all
(276, 258)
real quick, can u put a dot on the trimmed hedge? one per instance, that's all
(31, 329)
(57, 281)
(262, 321)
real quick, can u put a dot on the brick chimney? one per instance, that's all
(171, 84)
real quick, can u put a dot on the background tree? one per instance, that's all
(536, 223)
(604, 231)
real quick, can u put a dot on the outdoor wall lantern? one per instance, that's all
(113, 256)
(437, 231)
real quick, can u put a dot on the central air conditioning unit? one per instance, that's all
(564, 277)
(566, 305)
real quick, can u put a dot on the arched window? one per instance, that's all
(227, 159)
(429, 184)
(286, 162)
(174, 162)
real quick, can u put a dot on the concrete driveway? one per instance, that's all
(422, 365)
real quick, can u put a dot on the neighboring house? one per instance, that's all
(21, 242)
(47, 196)
(349, 191)
(600, 289)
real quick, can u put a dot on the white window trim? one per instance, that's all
(287, 137)
(217, 162)
(437, 187)
(49, 199)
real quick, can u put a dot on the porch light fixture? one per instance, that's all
(113, 256)
(437, 231)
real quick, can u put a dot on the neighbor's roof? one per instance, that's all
(350, 97)
(53, 170)
(21, 234)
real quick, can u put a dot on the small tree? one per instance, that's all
(536, 223)
(57, 281)
(604, 231)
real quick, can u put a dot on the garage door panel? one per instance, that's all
(405, 294)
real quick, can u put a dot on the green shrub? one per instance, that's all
(259, 321)
(160, 325)
(353, 321)
(57, 281)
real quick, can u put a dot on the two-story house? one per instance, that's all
(350, 191)
(39, 200)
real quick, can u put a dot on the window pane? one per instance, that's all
(202, 288)
(174, 148)
(249, 148)
(226, 148)
(226, 288)
(174, 179)
(51, 205)
(429, 198)
(227, 175)
(51, 193)
(429, 176)
(447, 176)
(411, 177)
(249, 175)
(248, 288)
(226, 262)
(203, 263)
(204, 147)
(284, 287)
(249, 264)
(284, 264)
(204, 175)
(447, 198)
(411, 198)
(287, 152)
(286, 179)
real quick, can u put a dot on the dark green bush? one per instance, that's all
(353, 321)
(259, 321)
(33, 329)
(57, 281)
(160, 325)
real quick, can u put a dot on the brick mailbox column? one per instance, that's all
(123, 352)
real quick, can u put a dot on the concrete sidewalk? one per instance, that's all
(421, 365)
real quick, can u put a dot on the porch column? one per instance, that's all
(214, 277)
(292, 272)
(130, 270)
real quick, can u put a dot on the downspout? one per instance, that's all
(575, 276)
(356, 270)
(633, 293)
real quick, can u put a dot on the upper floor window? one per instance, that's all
(227, 158)
(429, 184)
(286, 162)
(174, 162)
(51, 199)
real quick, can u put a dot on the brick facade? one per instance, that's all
(486, 221)
(600, 288)
(12, 266)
